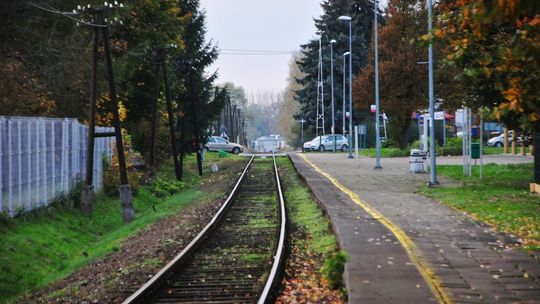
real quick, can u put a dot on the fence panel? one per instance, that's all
(43, 158)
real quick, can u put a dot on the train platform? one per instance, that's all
(407, 248)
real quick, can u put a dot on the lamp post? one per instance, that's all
(333, 125)
(302, 121)
(344, 95)
(377, 118)
(433, 171)
(349, 19)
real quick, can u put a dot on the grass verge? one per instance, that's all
(305, 216)
(501, 199)
(49, 244)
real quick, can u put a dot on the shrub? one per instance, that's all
(395, 152)
(111, 177)
(161, 187)
(333, 268)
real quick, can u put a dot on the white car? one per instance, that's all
(497, 141)
(216, 143)
(326, 142)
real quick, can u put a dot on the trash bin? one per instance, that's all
(418, 161)
(475, 150)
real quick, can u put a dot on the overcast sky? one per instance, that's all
(259, 25)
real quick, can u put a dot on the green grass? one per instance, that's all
(304, 213)
(494, 150)
(501, 198)
(385, 152)
(49, 244)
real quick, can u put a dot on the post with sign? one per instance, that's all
(363, 136)
(356, 142)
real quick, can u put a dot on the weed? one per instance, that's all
(334, 265)
(161, 187)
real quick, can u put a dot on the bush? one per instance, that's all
(333, 268)
(161, 187)
(395, 152)
(111, 177)
(454, 146)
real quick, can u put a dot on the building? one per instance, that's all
(272, 143)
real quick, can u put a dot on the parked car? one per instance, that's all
(497, 141)
(326, 142)
(216, 143)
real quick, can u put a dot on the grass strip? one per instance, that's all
(501, 199)
(304, 213)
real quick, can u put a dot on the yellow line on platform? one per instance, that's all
(410, 247)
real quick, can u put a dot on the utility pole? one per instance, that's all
(160, 62)
(198, 144)
(319, 120)
(87, 192)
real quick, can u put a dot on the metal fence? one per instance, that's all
(43, 158)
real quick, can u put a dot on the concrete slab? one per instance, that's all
(468, 258)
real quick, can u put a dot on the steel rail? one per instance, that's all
(146, 289)
(273, 277)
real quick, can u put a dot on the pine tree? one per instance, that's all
(328, 28)
(195, 90)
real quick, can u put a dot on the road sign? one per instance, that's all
(373, 108)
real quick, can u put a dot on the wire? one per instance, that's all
(66, 14)
(256, 54)
(257, 51)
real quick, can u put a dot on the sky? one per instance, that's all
(258, 25)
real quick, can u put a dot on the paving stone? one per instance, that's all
(461, 251)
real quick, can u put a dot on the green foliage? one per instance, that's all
(161, 187)
(334, 265)
(454, 147)
(111, 177)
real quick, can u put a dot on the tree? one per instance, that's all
(402, 80)
(194, 88)
(287, 125)
(497, 46)
(329, 27)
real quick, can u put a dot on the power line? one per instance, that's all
(257, 51)
(66, 14)
(256, 54)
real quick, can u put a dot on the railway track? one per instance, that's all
(237, 257)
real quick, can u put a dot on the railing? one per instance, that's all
(43, 158)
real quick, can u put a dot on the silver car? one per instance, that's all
(326, 142)
(216, 143)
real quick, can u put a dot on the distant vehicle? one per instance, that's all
(216, 143)
(497, 141)
(326, 142)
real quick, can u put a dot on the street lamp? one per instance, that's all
(344, 95)
(333, 125)
(347, 18)
(302, 121)
(433, 178)
(377, 119)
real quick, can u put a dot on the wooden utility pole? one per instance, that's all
(87, 192)
(198, 144)
(161, 63)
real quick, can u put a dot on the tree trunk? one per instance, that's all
(404, 134)
(536, 142)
